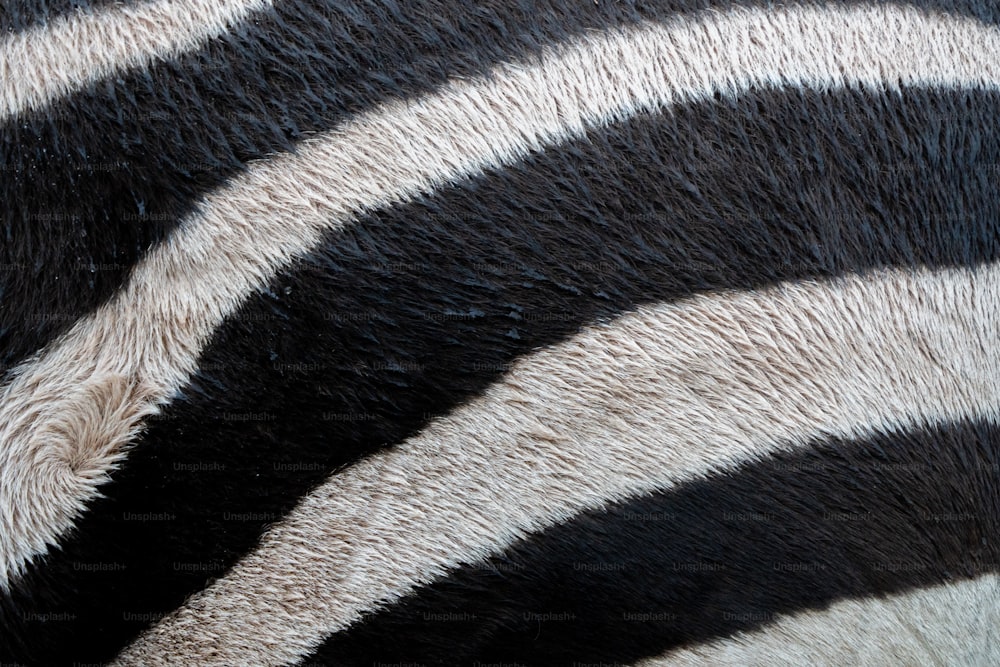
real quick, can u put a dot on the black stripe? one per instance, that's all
(416, 309)
(21, 15)
(794, 532)
(103, 174)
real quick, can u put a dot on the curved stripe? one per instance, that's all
(953, 624)
(413, 310)
(136, 151)
(114, 366)
(46, 62)
(791, 532)
(708, 384)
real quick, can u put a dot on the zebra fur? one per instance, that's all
(352, 333)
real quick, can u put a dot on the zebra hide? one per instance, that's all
(499, 332)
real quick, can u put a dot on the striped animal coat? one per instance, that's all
(370, 332)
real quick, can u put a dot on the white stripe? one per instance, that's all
(40, 65)
(957, 624)
(139, 348)
(663, 395)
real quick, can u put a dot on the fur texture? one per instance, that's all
(100, 175)
(709, 384)
(959, 626)
(249, 229)
(363, 323)
(42, 64)
(835, 529)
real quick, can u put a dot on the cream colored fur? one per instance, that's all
(40, 65)
(135, 352)
(667, 394)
